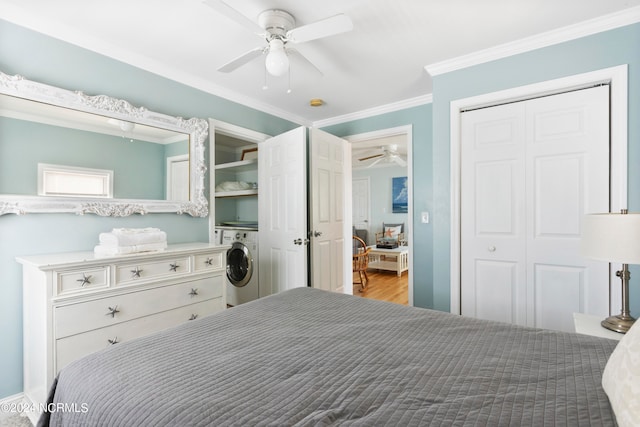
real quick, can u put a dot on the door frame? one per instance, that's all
(617, 78)
(407, 131)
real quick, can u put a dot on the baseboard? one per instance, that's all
(16, 405)
(9, 405)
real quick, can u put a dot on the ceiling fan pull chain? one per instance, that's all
(265, 86)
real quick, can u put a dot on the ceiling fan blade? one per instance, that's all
(399, 160)
(327, 27)
(362, 159)
(375, 162)
(241, 60)
(226, 10)
(297, 54)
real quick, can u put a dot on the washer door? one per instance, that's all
(239, 264)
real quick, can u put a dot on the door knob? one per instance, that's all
(317, 233)
(491, 248)
(300, 241)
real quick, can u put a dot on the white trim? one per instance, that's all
(12, 400)
(383, 133)
(375, 111)
(235, 131)
(17, 401)
(582, 29)
(617, 76)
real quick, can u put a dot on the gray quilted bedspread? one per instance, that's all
(307, 357)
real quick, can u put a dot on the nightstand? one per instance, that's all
(588, 324)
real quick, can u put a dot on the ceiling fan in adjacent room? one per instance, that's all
(389, 155)
(278, 29)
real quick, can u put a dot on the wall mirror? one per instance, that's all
(64, 151)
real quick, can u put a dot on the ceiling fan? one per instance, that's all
(278, 28)
(389, 154)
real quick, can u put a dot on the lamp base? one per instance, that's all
(619, 323)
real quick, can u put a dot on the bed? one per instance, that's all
(310, 357)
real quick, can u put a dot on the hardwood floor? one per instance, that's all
(385, 286)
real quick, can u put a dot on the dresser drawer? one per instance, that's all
(71, 282)
(88, 315)
(152, 270)
(210, 262)
(76, 346)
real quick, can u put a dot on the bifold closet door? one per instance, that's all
(530, 170)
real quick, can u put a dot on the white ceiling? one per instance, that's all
(378, 65)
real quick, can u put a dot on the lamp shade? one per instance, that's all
(612, 237)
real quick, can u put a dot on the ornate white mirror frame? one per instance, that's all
(103, 105)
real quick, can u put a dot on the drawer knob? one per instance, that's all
(193, 292)
(112, 311)
(209, 261)
(174, 266)
(193, 317)
(86, 280)
(113, 341)
(136, 272)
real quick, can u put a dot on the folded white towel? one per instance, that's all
(123, 231)
(233, 186)
(132, 237)
(102, 250)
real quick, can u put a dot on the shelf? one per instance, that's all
(239, 166)
(239, 193)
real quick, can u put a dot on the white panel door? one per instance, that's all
(329, 165)
(178, 178)
(493, 218)
(530, 171)
(361, 207)
(567, 176)
(282, 212)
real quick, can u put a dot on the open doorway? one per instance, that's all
(382, 211)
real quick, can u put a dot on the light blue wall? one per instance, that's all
(419, 118)
(138, 167)
(381, 209)
(608, 49)
(59, 64)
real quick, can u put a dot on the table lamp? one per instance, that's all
(614, 237)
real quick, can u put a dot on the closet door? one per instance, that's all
(492, 204)
(530, 171)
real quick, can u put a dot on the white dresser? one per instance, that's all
(77, 303)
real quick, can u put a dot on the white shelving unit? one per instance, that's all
(235, 168)
(236, 205)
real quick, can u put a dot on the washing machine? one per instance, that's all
(242, 265)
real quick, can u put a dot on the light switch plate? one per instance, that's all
(424, 217)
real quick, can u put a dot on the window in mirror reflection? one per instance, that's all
(33, 132)
(69, 181)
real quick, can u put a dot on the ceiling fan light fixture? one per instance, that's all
(277, 61)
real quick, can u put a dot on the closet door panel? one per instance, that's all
(493, 223)
(567, 167)
(530, 170)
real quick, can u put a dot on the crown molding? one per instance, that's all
(375, 111)
(586, 28)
